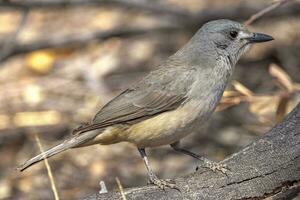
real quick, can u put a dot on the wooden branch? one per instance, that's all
(267, 168)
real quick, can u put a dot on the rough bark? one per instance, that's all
(269, 168)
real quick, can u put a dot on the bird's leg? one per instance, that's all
(207, 163)
(152, 177)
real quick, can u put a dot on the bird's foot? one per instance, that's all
(214, 166)
(163, 184)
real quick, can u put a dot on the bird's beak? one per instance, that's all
(259, 37)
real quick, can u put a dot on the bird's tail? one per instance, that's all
(73, 142)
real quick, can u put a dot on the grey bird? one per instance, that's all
(171, 101)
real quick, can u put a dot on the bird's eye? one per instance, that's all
(233, 34)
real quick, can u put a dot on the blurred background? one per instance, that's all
(60, 61)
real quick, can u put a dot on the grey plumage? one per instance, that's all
(67, 144)
(172, 100)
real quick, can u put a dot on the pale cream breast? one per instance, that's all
(163, 129)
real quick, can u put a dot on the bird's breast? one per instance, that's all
(165, 128)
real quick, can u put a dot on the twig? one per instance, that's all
(121, 188)
(56, 197)
(266, 10)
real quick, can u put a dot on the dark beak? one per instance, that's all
(260, 37)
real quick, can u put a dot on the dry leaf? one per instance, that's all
(282, 108)
(228, 102)
(230, 93)
(241, 88)
(282, 77)
(230, 98)
(263, 105)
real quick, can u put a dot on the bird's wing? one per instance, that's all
(144, 100)
(122, 110)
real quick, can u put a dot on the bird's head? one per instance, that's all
(222, 37)
(230, 37)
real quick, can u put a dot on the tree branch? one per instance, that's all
(269, 167)
(266, 10)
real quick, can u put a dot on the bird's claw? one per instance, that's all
(163, 184)
(216, 167)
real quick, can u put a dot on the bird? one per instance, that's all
(171, 101)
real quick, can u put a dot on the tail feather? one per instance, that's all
(67, 144)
